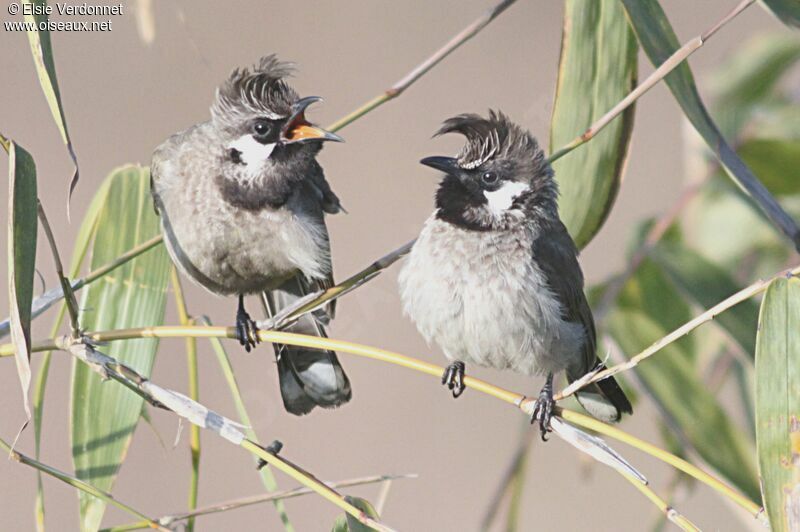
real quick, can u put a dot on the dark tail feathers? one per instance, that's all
(604, 399)
(308, 377)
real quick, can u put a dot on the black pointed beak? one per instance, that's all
(448, 165)
(298, 129)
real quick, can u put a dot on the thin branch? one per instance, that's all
(202, 416)
(316, 300)
(669, 512)
(46, 300)
(279, 495)
(309, 480)
(672, 62)
(520, 401)
(194, 393)
(746, 293)
(66, 288)
(598, 426)
(267, 478)
(420, 70)
(78, 484)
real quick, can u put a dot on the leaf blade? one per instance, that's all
(778, 402)
(596, 39)
(42, 51)
(22, 229)
(104, 415)
(658, 40)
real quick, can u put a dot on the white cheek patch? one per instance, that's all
(501, 199)
(252, 152)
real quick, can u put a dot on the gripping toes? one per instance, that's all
(453, 377)
(246, 331)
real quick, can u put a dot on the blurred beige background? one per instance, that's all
(123, 97)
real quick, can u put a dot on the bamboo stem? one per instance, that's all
(78, 484)
(194, 394)
(518, 400)
(423, 68)
(72, 303)
(676, 462)
(672, 62)
(746, 293)
(171, 519)
(310, 481)
(668, 511)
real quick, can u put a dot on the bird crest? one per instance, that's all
(260, 91)
(493, 137)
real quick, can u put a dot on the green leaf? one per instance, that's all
(82, 242)
(22, 229)
(658, 40)
(778, 402)
(105, 414)
(788, 11)
(348, 523)
(675, 384)
(596, 70)
(649, 308)
(42, 51)
(706, 284)
(776, 161)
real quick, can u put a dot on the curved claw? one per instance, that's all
(542, 413)
(453, 378)
(246, 330)
(543, 409)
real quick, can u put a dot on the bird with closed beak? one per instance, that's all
(494, 278)
(242, 201)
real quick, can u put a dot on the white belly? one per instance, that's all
(480, 297)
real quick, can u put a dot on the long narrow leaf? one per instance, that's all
(42, 50)
(22, 228)
(778, 403)
(658, 40)
(706, 284)
(85, 235)
(597, 69)
(648, 309)
(105, 414)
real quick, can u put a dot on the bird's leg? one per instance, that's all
(543, 409)
(453, 377)
(246, 330)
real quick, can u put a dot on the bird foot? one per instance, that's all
(453, 378)
(246, 330)
(543, 410)
(273, 448)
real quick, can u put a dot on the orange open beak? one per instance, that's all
(298, 129)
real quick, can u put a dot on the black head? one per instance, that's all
(500, 173)
(259, 116)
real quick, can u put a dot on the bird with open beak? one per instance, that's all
(494, 278)
(242, 201)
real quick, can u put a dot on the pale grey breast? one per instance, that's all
(481, 298)
(225, 248)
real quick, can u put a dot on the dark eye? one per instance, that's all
(489, 178)
(262, 128)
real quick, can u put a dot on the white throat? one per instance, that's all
(252, 153)
(501, 199)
